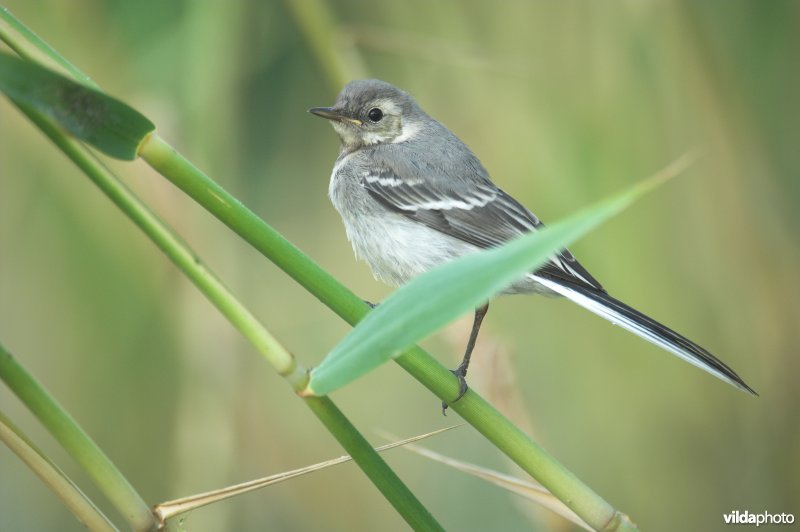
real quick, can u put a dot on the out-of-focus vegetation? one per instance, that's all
(564, 103)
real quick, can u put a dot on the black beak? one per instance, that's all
(330, 114)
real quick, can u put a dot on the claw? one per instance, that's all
(461, 374)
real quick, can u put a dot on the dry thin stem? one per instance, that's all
(169, 509)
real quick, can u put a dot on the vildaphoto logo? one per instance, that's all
(764, 518)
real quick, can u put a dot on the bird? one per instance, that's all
(413, 196)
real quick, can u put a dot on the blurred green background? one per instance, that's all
(564, 102)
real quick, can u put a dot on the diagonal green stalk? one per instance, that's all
(364, 455)
(76, 442)
(73, 498)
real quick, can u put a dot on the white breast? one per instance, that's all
(397, 249)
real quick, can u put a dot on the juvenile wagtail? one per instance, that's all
(413, 196)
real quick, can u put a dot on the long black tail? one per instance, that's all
(621, 314)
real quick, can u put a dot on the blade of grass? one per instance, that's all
(169, 509)
(73, 498)
(441, 295)
(87, 114)
(76, 442)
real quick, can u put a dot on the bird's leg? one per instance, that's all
(370, 303)
(461, 371)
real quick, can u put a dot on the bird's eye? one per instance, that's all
(375, 115)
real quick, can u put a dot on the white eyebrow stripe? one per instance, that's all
(386, 105)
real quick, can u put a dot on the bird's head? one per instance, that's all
(371, 111)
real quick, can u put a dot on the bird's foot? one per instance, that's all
(370, 303)
(461, 374)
